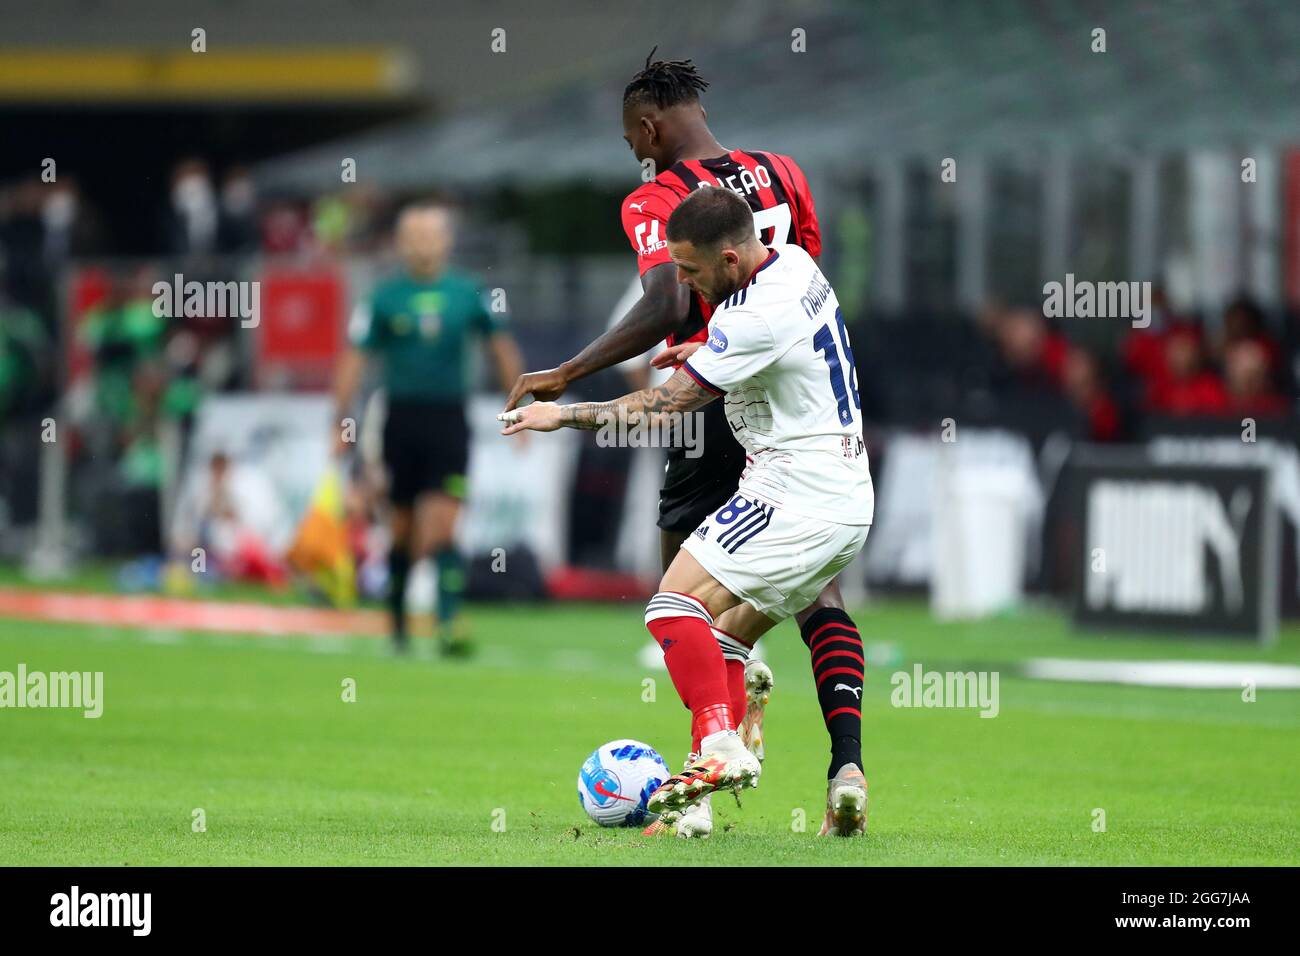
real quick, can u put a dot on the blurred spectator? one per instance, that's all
(1087, 393)
(285, 228)
(193, 216)
(1032, 356)
(24, 353)
(22, 240)
(69, 228)
(1143, 350)
(1249, 372)
(232, 513)
(1184, 385)
(122, 333)
(1243, 321)
(237, 223)
(353, 220)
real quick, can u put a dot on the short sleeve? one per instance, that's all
(645, 220)
(362, 328)
(488, 315)
(810, 233)
(740, 345)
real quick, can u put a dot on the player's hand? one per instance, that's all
(545, 386)
(675, 355)
(537, 417)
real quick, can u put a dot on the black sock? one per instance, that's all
(839, 671)
(399, 569)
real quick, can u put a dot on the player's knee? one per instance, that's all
(829, 599)
(669, 604)
(732, 647)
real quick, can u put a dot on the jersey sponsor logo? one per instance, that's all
(718, 340)
(638, 206)
(649, 242)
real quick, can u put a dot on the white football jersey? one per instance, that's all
(778, 350)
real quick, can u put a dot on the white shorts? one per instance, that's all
(774, 561)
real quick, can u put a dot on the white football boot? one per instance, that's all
(758, 688)
(693, 823)
(723, 764)
(846, 804)
(696, 821)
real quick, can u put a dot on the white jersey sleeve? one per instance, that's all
(739, 347)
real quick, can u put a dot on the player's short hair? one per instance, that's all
(426, 205)
(665, 83)
(711, 216)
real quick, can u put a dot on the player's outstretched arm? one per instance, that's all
(351, 368)
(680, 394)
(507, 358)
(661, 309)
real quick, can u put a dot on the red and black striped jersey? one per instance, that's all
(773, 185)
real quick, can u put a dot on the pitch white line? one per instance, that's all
(1203, 674)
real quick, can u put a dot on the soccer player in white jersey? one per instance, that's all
(778, 350)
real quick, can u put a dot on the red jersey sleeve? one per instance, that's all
(645, 220)
(810, 231)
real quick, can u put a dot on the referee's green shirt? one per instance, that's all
(421, 331)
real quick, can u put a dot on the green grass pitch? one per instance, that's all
(476, 763)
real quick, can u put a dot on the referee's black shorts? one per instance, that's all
(426, 448)
(694, 488)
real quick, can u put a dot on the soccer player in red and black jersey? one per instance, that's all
(666, 128)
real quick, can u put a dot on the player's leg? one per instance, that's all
(400, 523)
(695, 486)
(749, 679)
(436, 516)
(783, 565)
(670, 542)
(444, 459)
(403, 485)
(680, 616)
(839, 671)
(697, 822)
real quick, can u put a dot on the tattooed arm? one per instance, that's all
(679, 394)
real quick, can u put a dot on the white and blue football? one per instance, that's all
(616, 781)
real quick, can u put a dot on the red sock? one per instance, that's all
(681, 625)
(739, 699)
(736, 685)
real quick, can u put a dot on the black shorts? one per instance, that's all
(426, 448)
(694, 488)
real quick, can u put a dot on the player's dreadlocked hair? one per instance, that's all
(665, 83)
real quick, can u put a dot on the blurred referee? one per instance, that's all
(419, 324)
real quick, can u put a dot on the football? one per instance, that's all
(616, 781)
